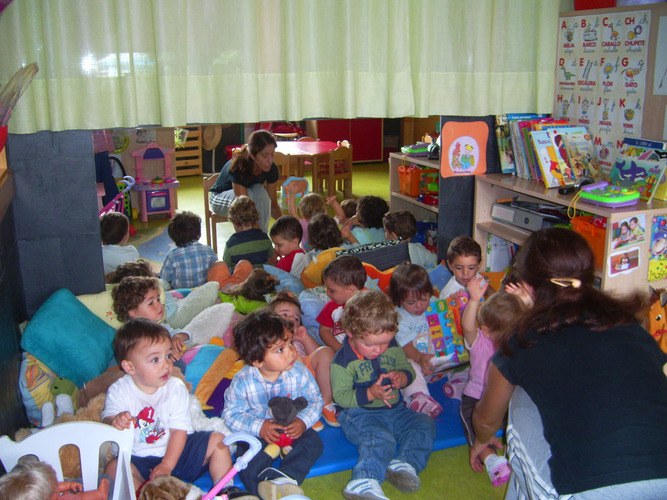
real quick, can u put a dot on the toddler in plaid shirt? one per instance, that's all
(263, 340)
(186, 265)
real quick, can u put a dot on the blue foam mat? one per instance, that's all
(339, 454)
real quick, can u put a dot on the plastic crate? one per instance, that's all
(409, 180)
(594, 235)
(414, 181)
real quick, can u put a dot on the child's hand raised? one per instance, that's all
(331, 200)
(520, 290)
(270, 431)
(381, 389)
(123, 420)
(477, 287)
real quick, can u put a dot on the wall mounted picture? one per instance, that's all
(629, 231)
(624, 262)
(468, 146)
(145, 135)
(657, 264)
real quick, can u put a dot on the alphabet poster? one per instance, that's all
(601, 77)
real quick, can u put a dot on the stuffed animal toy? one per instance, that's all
(284, 411)
(168, 488)
(69, 455)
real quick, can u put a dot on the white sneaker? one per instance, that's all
(279, 487)
(403, 476)
(364, 489)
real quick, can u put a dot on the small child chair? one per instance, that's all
(88, 437)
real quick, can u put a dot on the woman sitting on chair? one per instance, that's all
(246, 174)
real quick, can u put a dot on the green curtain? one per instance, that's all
(125, 63)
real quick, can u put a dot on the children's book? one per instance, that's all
(505, 145)
(556, 135)
(642, 163)
(581, 154)
(506, 149)
(531, 161)
(546, 159)
(444, 321)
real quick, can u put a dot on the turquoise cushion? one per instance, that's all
(68, 338)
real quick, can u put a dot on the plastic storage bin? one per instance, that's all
(594, 235)
(414, 181)
(409, 178)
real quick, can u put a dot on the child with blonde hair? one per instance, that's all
(411, 291)
(483, 328)
(367, 374)
(34, 480)
(310, 204)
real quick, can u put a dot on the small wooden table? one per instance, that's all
(302, 151)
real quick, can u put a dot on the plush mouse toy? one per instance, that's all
(284, 411)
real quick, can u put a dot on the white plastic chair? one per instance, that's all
(88, 437)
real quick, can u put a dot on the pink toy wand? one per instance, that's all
(241, 462)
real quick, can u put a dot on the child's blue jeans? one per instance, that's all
(377, 433)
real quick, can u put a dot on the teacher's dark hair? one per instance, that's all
(563, 255)
(242, 164)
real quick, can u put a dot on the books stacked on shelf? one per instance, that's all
(642, 163)
(506, 140)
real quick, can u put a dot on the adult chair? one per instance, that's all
(88, 437)
(211, 217)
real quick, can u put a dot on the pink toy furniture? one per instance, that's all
(157, 195)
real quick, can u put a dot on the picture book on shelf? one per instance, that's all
(504, 138)
(581, 154)
(546, 158)
(642, 163)
(556, 135)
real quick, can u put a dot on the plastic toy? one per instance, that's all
(117, 204)
(419, 149)
(155, 195)
(607, 195)
(241, 462)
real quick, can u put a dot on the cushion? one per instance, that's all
(199, 299)
(211, 322)
(34, 384)
(377, 279)
(312, 302)
(101, 305)
(312, 274)
(287, 281)
(68, 338)
(383, 255)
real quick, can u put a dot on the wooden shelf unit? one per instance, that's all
(188, 159)
(489, 188)
(401, 201)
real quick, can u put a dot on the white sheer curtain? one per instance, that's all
(124, 63)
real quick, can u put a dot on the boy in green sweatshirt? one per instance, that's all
(367, 374)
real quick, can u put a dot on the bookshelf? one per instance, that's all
(491, 187)
(401, 201)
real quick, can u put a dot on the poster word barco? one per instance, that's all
(601, 77)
